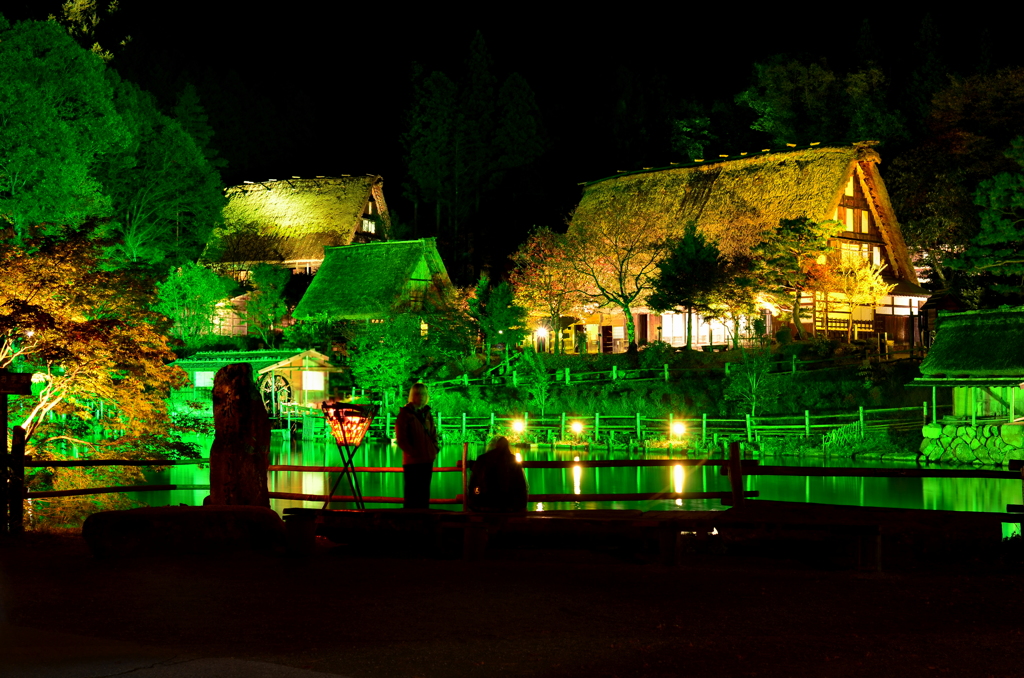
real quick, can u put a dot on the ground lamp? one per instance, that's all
(349, 424)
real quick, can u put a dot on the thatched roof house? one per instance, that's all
(375, 280)
(976, 348)
(290, 221)
(736, 200)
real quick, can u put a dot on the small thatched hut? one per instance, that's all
(375, 281)
(289, 222)
(980, 356)
(736, 200)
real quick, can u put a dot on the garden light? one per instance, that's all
(518, 426)
(519, 458)
(577, 427)
(542, 332)
(678, 428)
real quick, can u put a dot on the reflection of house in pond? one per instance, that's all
(735, 202)
(285, 378)
(979, 355)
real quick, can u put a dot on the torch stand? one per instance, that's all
(349, 424)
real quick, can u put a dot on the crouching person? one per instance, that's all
(498, 484)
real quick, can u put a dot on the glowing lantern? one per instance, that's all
(349, 424)
(518, 426)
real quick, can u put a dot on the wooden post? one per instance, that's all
(793, 364)
(974, 408)
(515, 379)
(1013, 404)
(463, 424)
(490, 431)
(465, 378)
(861, 421)
(935, 409)
(526, 420)
(568, 380)
(638, 426)
(597, 425)
(748, 428)
(615, 372)
(703, 426)
(727, 369)
(17, 482)
(924, 412)
(387, 425)
(465, 480)
(561, 430)
(807, 423)
(735, 473)
(665, 369)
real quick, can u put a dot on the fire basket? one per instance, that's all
(349, 424)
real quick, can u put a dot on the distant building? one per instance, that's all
(288, 223)
(735, 200)
(374, 281)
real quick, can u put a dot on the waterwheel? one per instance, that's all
(275, 390)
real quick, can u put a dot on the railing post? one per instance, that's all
(861, 421)
(465, 378)
(615, 372)
(703, 426)
(735, 473)
(727, 369)
(597, 425)
(490, 430)
(17, 481)
(974, 408)
(1013, 404)
(793, 364)
(515, 379)
(465, 482)
(638, 426)
(568, 381)
(935, 408)
(463, 424)
(807, 423)
(924, 411)
(748, 427)
(561, 430)
(665, 369)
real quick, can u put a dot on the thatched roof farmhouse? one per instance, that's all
(290, 222)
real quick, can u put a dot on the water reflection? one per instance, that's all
(976, 494)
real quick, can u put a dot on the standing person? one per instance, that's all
(417, 438)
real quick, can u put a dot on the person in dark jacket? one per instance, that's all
(417, 438)
(497, 484)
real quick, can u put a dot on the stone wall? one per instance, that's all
(966, 444)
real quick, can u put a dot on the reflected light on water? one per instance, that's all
(577, 474)
(677, 478)
(540, 506)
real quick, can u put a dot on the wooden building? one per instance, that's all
(375, 281)
(286, 378)
(735, 201)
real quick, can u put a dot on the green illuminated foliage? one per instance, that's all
(500, 319)
(384, 355)
(189, 297)
(266, 306)
(58, 124)
(784, 258)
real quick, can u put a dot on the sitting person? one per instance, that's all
(497, 484)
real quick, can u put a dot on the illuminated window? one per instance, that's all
(204, 380)
(369, 226)
(864, 221)
(849, 219)
(313, 381)
(849, 187)
(876, 255)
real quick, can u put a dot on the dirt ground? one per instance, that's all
(529, 613)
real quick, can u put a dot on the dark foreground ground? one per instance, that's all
(525, 613)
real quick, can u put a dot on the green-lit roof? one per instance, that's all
(214, 360)
(302, 216)
(977, 344)
(373, 280)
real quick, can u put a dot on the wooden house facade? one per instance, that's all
(738, 201)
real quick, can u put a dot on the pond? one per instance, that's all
(967, 494)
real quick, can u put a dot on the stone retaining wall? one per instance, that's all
(966, 444)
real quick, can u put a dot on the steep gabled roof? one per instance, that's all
(211, 361)
(372, 280)
(976, 347)
(302, 216)
(736, 200)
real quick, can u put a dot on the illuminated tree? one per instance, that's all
(499, 317)
(90, 339)
(688, 276)
(784, 257)
(614, 244)
(191, 115)
(189, 297)
(734, 297)
(265, 306)
(166, 196)
(860, 283)
(544, 282)
(384, 355)
(58, 123)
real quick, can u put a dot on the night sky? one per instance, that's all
(304, 89)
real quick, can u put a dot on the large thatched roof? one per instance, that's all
(374, 280)
(296, 218)
(736, 200)
(977, 347)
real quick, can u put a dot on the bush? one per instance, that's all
(656, 354)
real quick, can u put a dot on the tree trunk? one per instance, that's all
(796, 315)
(630, 328)
(689, 328)
(240, 453)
